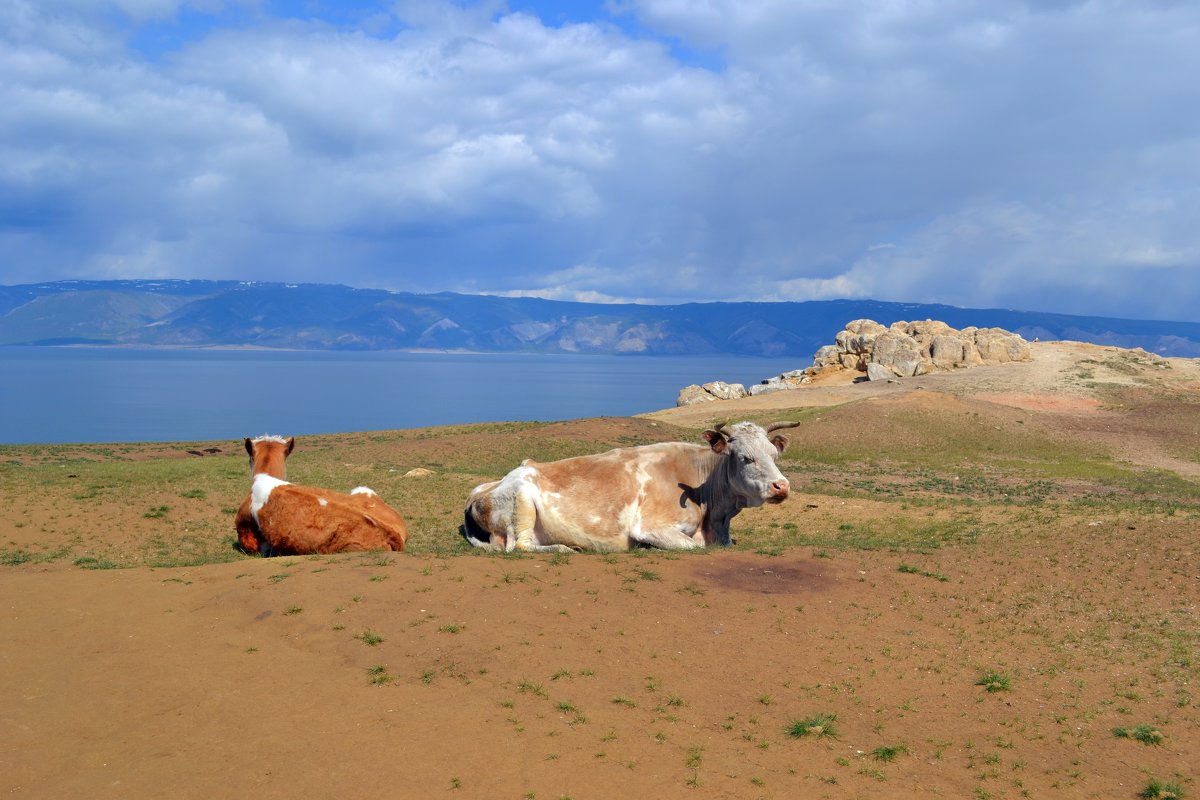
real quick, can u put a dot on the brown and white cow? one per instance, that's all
(280, 518)
(673, 495)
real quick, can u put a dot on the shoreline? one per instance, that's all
(252, 348)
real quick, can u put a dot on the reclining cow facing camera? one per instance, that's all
(674, 495)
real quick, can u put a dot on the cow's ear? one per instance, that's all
(780, 442)
(249, 447)
(715, 440)
(291, 443)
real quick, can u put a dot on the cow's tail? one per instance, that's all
(474, 533)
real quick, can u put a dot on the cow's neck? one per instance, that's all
(717, 503)
(270, 462)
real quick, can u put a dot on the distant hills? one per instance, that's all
(329, 317)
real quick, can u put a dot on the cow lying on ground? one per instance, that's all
(280, 518)
(673, 495)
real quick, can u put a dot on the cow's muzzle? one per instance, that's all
(779, 491)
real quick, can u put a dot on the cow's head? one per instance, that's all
(749, 453)
(268, 454)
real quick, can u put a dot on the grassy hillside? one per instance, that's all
(921, 470)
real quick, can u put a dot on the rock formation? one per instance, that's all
(781, 383)
(906, 349)
(714, 390)
(901, 350)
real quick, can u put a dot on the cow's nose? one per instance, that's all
(780, 488)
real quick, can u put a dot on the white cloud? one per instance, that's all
(1086, 260)
(974, 154)
(562, 293)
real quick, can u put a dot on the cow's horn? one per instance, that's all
(718, 427)
(779, 425)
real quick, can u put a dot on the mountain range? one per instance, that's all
(197, 313)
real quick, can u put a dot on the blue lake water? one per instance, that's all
(50, 394)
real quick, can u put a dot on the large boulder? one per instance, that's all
(996, 345)
(857, 339)
(725, 391)
(947, 352)
(924, 330)
(897, 352)
(827, 356)
(878, 372)
(692, 394)
(713, 390)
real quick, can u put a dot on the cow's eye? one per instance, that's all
(747, 459)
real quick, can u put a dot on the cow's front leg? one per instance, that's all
(716, 529)
(669, 539)
(544, 548)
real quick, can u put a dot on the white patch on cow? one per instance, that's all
(362, 490)
(260, 492)
(630, 517)
(630, 520)
(643, 479)
(322, 502)
(512, 485)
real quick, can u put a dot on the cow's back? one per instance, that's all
(303, 519)
(386, 517)
(601, 501)
(612, 479)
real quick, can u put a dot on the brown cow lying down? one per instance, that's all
(280, 518)
(674, 495)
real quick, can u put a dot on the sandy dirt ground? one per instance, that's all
(646, 674)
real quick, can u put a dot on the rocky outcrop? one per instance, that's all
(714, 390)
(900, 350)
(905, 349)
(781, 383)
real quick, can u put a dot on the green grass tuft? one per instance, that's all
(1158, 790)
(88, 562)
(369, 638)
(1146, 734)
(994, 682)
(888, 753)
(817, 726)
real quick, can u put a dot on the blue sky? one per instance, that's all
(1041, 156)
